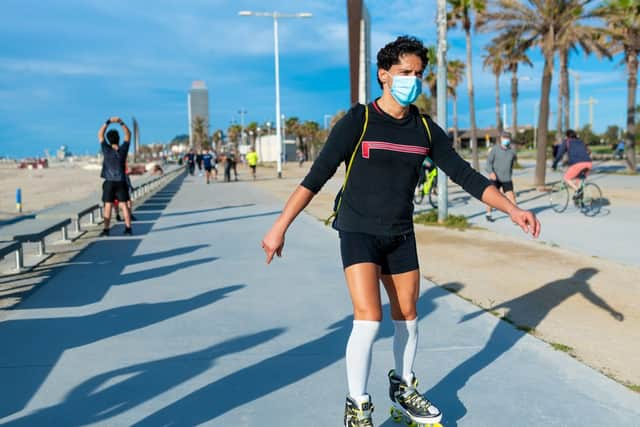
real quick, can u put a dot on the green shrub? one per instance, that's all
(431, 218)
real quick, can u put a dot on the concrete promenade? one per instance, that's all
(183, 324)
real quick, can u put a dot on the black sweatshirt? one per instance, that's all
(378, 198)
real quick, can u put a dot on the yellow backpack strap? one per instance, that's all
(353, 156)
(426, 125)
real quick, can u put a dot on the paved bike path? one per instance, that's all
(183, 324)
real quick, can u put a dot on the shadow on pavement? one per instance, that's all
(525, 311)
(215, 221)
(101, 266)
(95, 264)
(273, 373)
(209, 210)
(42, 341)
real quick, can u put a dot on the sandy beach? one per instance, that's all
(42, 188)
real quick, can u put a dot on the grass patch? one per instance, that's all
(633, 387)
(526, 329)
(561, 347)
(431, 218)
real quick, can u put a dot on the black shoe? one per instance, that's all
(489, 218)
(118, 218)
(133, 218)
(357, 415)
(104, 233)
(409, 402)
(127, 231)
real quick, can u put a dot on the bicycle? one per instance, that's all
(588, 197)
(428, 187)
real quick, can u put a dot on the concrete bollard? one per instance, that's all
(19, 200)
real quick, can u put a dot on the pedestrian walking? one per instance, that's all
(199, 162)
(190, 159)
(114, 161)
(207, 163)
(252, 161)
(500, 162)
(227, 166)
(383, 145)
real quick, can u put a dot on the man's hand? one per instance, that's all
(493, 177)
(526, 220)
(273, 243)
(115, 119)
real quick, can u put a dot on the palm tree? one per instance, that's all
(252, 130)
(217, 139)
(423, 103)
(623, 30)
(200, 129)
(431, 79)
(538, 23)
(292, 128)
(310, 131)
(234, 133)
(515, 54)
(575, 32)
(494, 60)
(460, 13)
(455, 73)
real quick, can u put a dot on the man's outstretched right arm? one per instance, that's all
(273, 241)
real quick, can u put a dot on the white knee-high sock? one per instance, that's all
(405, 344)
(358, 356)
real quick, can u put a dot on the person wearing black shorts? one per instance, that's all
(500, 163)
(383, 145)
(114, 161)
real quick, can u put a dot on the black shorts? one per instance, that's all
(394, 254)
(506, 186)
(208, 168)
(112, 190)
(253, 167)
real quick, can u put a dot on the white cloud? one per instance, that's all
(50, 67)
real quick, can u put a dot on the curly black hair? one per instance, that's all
(403, 45)
(113, 137)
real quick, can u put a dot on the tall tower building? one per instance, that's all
(359, 51)
(198, 105)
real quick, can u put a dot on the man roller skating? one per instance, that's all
(383, 144)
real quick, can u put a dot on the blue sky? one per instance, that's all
(67, 65)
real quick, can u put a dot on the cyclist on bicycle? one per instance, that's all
(427, 166)
(500, 163)
(579, 158)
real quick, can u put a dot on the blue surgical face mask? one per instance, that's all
(405, 89)
(506, 142)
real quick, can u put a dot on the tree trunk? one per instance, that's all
(499, 124)
(514, 107)
(632, 86)
(543, 118)
(456, 141)
(433, 106)
(564, 76)
(561, 83)
(475, 161)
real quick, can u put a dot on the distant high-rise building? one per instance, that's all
(198, 104)
(359, 51)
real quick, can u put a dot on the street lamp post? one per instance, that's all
(276, 16)
(443, 196)
(242, 112)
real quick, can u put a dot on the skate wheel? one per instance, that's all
(396, 415)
